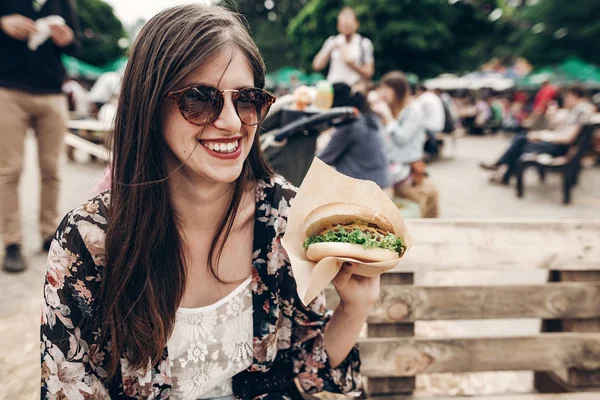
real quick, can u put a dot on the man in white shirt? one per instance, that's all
(432, 109)
(106, 86)
(349, 55)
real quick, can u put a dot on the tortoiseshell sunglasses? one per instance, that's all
(202, 104)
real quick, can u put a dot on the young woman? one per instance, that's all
(174, 283)
(405, 134)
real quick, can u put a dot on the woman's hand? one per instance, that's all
(358, 294)
(380, 107)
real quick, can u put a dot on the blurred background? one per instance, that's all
(499, 75)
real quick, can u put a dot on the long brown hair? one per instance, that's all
(397, 81)
(145, 276)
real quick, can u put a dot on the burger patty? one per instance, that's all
(372, 229)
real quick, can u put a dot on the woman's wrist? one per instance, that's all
(354, 310)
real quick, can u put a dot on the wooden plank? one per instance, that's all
(93, 125)
(555, 396)
(499, 244)
(550, 301)
(388, 357)
(390, 386)
(578, 377)
(552, 381)
(396, 385)
(96, 150)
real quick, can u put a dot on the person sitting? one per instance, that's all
(405, 137)
(555, 143)
(434, 118)
(357, 149)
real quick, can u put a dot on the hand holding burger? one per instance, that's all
(352, 231)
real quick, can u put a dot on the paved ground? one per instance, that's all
(464, 193)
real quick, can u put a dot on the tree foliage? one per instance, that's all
(425, 37)
(101, 30)
(268, 27)
(552, 30)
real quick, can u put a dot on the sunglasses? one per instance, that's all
(202, 104)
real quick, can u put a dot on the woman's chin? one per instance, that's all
(222, 174)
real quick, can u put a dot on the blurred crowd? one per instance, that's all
(400, 127)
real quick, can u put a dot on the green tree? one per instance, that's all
(268, 21)
(552, 30)
(425, 37)
(101, 30)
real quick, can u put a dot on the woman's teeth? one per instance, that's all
(222, 147)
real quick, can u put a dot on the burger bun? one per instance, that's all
(332, 214)
(317, 251)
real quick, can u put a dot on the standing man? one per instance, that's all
(349, 55)
(30, 97)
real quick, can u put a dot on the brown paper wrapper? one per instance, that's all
(324, 185)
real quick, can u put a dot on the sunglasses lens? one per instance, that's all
(201, 105)
(253, 106)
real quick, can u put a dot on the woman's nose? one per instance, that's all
(228, 120)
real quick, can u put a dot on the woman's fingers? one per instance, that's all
(344, 274)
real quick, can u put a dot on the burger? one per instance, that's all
(353, 231)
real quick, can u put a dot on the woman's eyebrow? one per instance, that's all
(237, 87)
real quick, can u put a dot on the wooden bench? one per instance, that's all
(88, 136)
(567, 360)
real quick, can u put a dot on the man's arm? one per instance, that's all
(564, 136)
(367, 68)
(323, 56)
(366, 71)
(72, 20)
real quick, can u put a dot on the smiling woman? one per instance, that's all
(173, 283)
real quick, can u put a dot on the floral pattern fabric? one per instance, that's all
(288, 338)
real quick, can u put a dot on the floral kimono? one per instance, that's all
(288, 337)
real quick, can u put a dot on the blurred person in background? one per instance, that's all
(432, 109)
(105, 88)
(31, 97)
(434, 118)
(404, 133)
(357, 148)
(555, 143)
(77, 96)
(450, 109)
(542, 99)
(483, 113)
(349, 55)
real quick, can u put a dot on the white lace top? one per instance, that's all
(210, 345)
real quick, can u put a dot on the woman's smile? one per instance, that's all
(226, 149)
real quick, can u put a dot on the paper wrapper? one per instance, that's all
(42, 33)
(323, 185)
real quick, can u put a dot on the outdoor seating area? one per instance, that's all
(299, 200)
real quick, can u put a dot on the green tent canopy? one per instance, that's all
(536, 78)
(580, 71)
(283, 77)
(571, 71)
(78, 68)
(116, 65)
